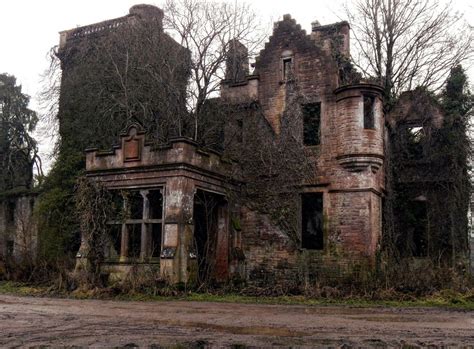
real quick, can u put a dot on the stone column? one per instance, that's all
(177, 229)
(124, 237)
(145, 238)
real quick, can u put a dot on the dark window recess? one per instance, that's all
(10, 247)
(155, 200)
(11, 207)
(369, 112)
(312, 237)
(134, 240)
(311, 123)
(117, 205)
(417, 222)
(155, 246)
(288, 69)
(135, 204)
(115, 234)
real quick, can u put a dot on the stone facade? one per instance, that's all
(182, 212)
(349, 156)
(347, 186)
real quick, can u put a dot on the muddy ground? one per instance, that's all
(26, 321)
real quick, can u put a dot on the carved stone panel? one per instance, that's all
(132, 146)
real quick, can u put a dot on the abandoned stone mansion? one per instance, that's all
(179, 204)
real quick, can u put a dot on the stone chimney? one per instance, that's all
(237, 62)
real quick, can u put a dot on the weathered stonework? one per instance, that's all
(349, 163)
(18, 229)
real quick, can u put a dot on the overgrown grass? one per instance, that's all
(444, 299)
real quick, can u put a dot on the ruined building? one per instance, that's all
(181, 200)
(190, 210)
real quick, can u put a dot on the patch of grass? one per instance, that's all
(444, 299)
(22, 289)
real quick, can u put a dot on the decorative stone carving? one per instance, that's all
(132, 142)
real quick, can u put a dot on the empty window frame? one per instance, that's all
(135, 205)
(288, 66)
(312, 236)
(311, 123)
(134, 232)
(415, 136)
(155, 243)
(139, 215)
(369, 111)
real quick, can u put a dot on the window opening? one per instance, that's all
(369, 112)
(129, 218)
(311, 123)
(134, 240)
(115, 236)
(415, 137)
(156, 236)
(287, 68)
(312, 237)
(135, 205)
(155, 202)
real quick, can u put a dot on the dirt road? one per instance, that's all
(26, 321)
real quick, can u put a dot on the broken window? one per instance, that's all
(155, 204)
(115, 240)
(312, 237)
(369, 112)
(134, 240)
(415, 136)
(155, 245)
(135, 205)
(131, 218)
(288, 73)
(311, 123)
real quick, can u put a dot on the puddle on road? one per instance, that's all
(254, 330)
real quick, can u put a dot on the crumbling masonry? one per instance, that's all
(181, 209)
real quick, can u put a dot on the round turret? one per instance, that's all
(360, 127)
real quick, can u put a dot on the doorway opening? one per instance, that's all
(210, 236)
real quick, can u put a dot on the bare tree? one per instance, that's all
(408, 43)
(207, 29)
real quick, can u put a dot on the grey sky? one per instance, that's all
(29, 28)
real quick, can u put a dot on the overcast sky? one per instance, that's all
(29, 28)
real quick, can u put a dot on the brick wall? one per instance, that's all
(349, 160)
